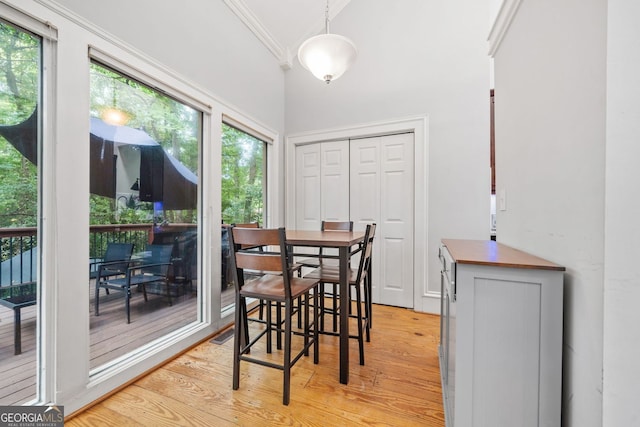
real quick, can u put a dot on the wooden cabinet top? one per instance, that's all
(488, 252)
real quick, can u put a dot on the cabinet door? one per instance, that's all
(509, 340)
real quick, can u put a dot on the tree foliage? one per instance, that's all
(19, 93)
(174, 125)
(242, 177)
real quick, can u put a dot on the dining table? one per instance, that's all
(343, 241)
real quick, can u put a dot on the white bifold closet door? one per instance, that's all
(364, 180)
(307, 186)
(322, 184)
(381, 181)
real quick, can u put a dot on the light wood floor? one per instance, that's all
(398, 386)
(110, 335)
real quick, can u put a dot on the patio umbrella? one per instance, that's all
(23, 136)
(163, 178)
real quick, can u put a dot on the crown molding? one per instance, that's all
(260, 31)
(506, 14)
(282, 53)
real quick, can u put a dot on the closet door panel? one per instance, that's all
(308, 187)
(364, 180)
(334, 187)
(396, 219)
(365, 197)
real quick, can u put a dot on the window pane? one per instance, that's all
(243, 191)
(144, 151)
(20, 75)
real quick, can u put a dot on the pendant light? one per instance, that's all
(327, 56)
(114, 115)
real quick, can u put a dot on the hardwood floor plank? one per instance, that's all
(110, 336)
(398, 386)
(152, 409)
(102, 417)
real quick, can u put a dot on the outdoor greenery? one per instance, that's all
(242, 177)
(19, 92)
(174, 125)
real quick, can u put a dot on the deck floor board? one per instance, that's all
(110, 335)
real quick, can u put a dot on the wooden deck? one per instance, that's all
(398, 386)
(110, 335)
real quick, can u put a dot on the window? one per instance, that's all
(20, 81)
(243, 192)
(144, 162)
(243, 172)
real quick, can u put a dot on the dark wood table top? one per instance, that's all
(324, 238)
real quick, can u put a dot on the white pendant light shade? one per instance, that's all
(327, 56)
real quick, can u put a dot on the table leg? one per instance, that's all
(344, 315)
(17, 333)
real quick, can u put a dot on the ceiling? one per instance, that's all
(282, 25)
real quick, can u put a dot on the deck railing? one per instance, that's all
(101, 235)
(19, 255)
(19, 246)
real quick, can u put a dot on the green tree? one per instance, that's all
(242, 177)
(19, 86)
(172, 124)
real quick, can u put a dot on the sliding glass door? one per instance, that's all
(144, 165)
(20, 134)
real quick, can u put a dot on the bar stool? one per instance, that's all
(278, 286)
(328, 262)
(360, 280)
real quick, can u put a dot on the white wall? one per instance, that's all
(550, 81)
(621, 370)
(415, 57)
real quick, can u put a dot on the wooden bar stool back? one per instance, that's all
(275, 285)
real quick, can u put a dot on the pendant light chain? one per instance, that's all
(326, 19)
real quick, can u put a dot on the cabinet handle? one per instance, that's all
(453, 291)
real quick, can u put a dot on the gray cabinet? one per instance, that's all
(501, 336)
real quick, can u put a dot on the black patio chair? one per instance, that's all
(184, 260)
(114, 263)
(150, 268)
